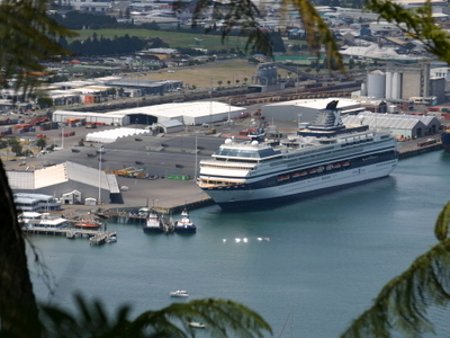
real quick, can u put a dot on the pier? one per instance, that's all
(96, 237)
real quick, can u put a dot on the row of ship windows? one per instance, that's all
(314, 158)
(350, 142)
(313, 171)
(228, 167)
(217, 182)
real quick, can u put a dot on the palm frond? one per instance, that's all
(442, 223)
(243, 16)
(317, 33)
(403, 304)
(31, 37)
(418, 24)
(222, 318)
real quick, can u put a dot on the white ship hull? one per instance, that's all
(323, 157)
(231, 198)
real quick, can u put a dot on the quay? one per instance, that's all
(96, 237)
(130, 215)
(418, 148)
(169, 197)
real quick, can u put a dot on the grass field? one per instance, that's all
(207, 75)
(174, 39)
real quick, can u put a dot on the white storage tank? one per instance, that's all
(376, 84)
(392, 109)
(363, 89)
(396, 85)
(388, 85)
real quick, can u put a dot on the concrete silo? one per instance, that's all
(397, 85)
(376, 84)
(389, 85)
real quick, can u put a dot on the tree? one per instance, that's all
(401, 307)
(28, 36)
(31, 36)
(41, 143)
(172, 321)
(243, 15)
(15, 145)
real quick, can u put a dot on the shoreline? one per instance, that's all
(171, 206)
(168, 196)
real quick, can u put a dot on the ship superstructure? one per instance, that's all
(321, 157)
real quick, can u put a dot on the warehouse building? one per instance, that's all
(188, 113)
(36, 202)
(401, 126)
(69, 182)
(307, 110)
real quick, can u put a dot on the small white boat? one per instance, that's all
(111, 239)
(179, 293)
(197, 325)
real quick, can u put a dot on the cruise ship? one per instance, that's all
(323, 156)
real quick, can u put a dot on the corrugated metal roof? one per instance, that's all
(168, 110)
(113, 185)
(21, 179)
(383, 121)
(317, 103)
(48, 176)
(86, 175)
(61, 173)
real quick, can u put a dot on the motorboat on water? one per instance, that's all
(88, 224)
(179, 293)
(196, 325)
(111, 239)
(153, 224)
(185, 225)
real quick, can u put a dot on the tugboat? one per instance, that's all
(88, 224)
(185, 225)
(153, 224)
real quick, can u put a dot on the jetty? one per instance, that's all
(96, 237)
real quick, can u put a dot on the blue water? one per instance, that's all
(321, 264)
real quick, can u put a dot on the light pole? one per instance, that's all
(62, 135)
(196, 158)
(99, 175)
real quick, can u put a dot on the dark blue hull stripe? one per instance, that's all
(321, 170)
(280, 201)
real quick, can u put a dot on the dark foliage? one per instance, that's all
(79, 20)
(123, 45)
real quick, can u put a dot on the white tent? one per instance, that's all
(111, 135)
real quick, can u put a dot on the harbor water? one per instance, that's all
(309, 268)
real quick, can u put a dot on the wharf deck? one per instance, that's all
(97, 237)
(414, 149)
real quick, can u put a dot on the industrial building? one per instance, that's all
(188, 113)
(69, 182)
(100, 89)
(400, 82)
(306, 110)
(36, 202)
(401, 126)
